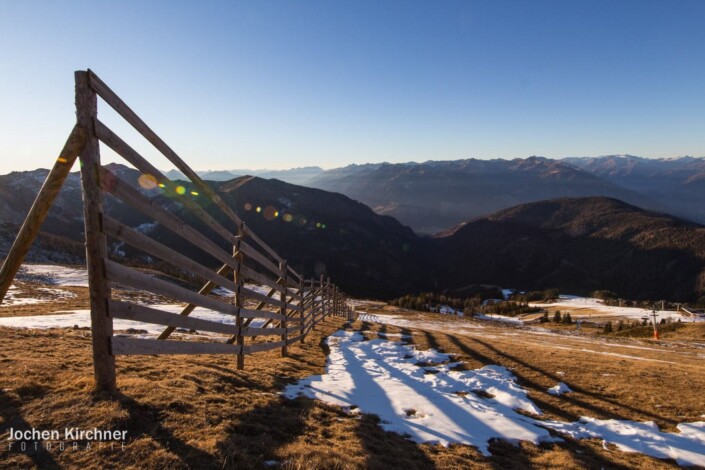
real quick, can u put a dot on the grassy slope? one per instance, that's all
(200, 412)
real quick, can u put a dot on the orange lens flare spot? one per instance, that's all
(147, 181)
(270, 213)
(61, 160)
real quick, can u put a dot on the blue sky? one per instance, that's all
(273, 84)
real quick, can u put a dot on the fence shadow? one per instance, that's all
(12, 418)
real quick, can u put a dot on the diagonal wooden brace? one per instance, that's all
(40, 208)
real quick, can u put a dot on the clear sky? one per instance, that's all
(274, 84)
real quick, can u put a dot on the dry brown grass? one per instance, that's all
(199, 412)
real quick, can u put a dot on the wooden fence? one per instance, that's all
(284, 315)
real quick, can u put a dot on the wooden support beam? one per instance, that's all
(40, 208)
(96, 244)
(282, 309)
(128, 311)
(302, 313)
(139, 280)
(329, 296)
(130, 346)
(239, 281)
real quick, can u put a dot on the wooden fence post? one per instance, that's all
(323, 299)
(302, 293)
(282, 310)
(239, 281)
(96, 244)
(329, 296)
(334, 297)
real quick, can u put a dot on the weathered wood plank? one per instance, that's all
(259, 347)
(133, 278)
(239, 283)
(296, 275)
(294, 339)
(252, 294)
(40, 208)
(248, 313)
(254, 332)
(255, 255)
(283, 309)
(128, 311)
(115, 229)
(96, 244)
(137, 346)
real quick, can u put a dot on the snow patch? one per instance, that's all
(467, 407)
(382, 378)
(17, 296)
(686, 448)
(559, 389)
(58, 275)
(502, 318)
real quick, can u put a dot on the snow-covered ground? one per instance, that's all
(574, 304)
(82, 318)
(502, 318)
(57, 275)
(382, 377)
(432, 403)
(17, 296)
(78, 277)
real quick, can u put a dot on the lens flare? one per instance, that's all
(147, 181)
(194, 193)
(270, 213)
(248, 206)
(180, 190)
(258, 210)
(288, 217)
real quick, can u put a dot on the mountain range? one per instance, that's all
(577, 244)
(292, 175)
(432, 196)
